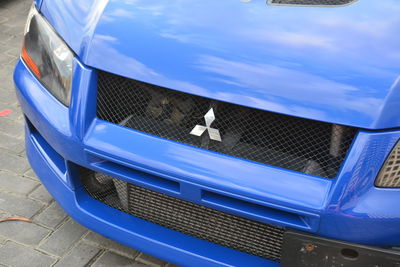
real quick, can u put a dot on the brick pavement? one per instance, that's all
(53, 239)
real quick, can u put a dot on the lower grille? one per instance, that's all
(224, 229)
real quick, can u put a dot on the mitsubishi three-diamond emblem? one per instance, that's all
(198, 130)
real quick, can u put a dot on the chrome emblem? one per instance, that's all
(198, 130)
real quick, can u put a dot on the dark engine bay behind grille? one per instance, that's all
(224, 229)
(288, 142)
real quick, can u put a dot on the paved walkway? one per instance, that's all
(53, 239)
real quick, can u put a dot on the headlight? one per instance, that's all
(48, 57)
(389, 176)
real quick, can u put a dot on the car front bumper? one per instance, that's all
(58, 139)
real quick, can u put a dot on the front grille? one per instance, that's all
(288, 142)
(188, 218)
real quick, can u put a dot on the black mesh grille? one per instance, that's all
(288, 142)
(195, 220)
(312, 2)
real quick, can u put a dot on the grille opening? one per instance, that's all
(260, 211)
(137, 175)
(56, 159)
(224, 229)
(302, 145)
(389, 175)
(311, 2)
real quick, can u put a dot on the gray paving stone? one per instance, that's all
(13, 50)
(18, 205)
(15, 183)
(107, 243)
(31, 174)
(14, 145)
(3, 18)
(4, 215)
(23, 10)
(13, 62)
(23, 154)
(4, 59)
(12, 128)
(4, 37)
(63, 238)
(6, 71)
(15, 40)
(79, 256)
(41, 194)
(14, 30)
(16, 255)
(51, 216)
(8, 97)
(150, 260)
(12, 162)
(112, 259)
(23, 232)
(3, 49)
(15, 114)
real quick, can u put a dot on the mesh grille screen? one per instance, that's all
(195, 220)
(389, 176)
(312, 2)
(288, 142)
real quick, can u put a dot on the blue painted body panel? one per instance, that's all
(339, 65)
(348, 207)
(325, 64)
(38, 3)
(134, 232)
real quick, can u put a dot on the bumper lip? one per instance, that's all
(124, 228)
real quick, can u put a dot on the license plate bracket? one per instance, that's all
(301, 249)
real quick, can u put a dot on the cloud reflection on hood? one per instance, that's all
(335, 64)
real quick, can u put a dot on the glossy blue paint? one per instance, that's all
(354, 202)
(330, 65)
(339, 65)
(151, 238)
(347, 208)
(38, 3)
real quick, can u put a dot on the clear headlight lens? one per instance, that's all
(48, 57)
(389, 176)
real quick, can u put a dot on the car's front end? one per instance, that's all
(220, 132)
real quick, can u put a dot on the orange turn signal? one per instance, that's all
(29, 62)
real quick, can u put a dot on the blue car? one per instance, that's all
(221, 133)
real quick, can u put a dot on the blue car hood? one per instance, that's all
(337, 64)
